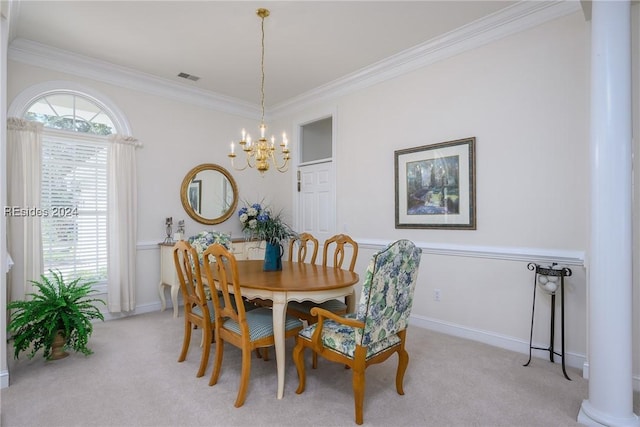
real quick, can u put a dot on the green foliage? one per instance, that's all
(58, 306)
(258, 222)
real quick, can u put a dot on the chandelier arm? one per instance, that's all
(283, 167)
(237, 168)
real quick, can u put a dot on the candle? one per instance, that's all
(243, 134)
(232, 147)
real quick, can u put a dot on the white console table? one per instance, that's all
(241, 249)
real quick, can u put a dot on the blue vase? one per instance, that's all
(273, 257)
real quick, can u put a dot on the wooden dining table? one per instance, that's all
(295, 282)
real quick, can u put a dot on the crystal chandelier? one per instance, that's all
(261, 154)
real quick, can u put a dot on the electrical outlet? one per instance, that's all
(437, 293)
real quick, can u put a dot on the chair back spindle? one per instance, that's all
(343, 244)
(304, 242)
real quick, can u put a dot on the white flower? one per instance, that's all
(253, 223)
(252, 211)
(244, 218)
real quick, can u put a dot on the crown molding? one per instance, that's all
(519, 17)
(41, 55)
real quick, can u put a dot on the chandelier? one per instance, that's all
(261, 154)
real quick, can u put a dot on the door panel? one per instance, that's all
(316, 201)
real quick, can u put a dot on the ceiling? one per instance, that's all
(307, 43)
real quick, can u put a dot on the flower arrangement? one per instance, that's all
(260, 223)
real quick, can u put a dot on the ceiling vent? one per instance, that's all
(189, 77)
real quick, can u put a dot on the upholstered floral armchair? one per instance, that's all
(376, 330)
(201, 241)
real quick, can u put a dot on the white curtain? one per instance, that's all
(24, 237)
(122, 208)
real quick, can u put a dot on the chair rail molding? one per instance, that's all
(508, 253)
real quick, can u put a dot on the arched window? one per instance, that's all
(70, 112)
(75, 139)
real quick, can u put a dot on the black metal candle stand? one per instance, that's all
(560, 273)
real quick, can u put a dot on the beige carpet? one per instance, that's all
(133, 379)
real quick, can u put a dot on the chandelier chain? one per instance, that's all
(262, 71)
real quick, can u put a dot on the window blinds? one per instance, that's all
(74, 206)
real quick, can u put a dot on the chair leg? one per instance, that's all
(217, 363)
(206, 347)
(298, 358)
(403, 362)
(358, 392)
(315, 360)
(263, 353)
(244, 379)
(185, 341)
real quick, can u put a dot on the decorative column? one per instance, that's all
(610, 399)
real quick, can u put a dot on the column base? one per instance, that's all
(589, 416)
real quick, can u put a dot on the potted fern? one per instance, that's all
(57, 317)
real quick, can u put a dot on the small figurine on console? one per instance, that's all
(168, 222)
(179, 234)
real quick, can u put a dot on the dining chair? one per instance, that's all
(198, 310)
(377, 329)
(306, 245)
(247, 330)
(336, 250)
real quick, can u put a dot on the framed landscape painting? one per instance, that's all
(435, 186)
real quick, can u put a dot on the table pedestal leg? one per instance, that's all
(279, 313)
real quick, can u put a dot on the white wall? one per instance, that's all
(525, 98)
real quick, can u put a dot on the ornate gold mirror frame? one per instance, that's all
(209, 194)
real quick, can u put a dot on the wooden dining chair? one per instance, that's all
(303, 245)
(198, 310)
(336, 251)
(377, 329)
(247, 330)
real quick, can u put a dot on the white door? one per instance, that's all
(316, 200)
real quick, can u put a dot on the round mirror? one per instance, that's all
(209, 194)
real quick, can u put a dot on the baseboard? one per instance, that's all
(4, 379)
(502, 341)
(140, 309)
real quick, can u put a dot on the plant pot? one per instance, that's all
(273, 257)
(57, 347)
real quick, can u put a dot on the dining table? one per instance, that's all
(296, 281)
